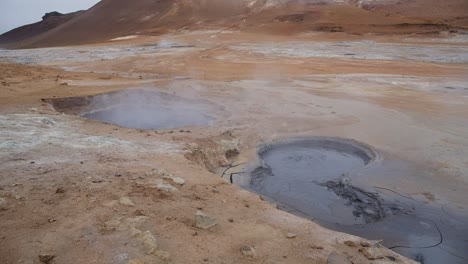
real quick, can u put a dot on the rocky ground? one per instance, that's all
(80, 191)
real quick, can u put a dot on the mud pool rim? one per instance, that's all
(366, 152)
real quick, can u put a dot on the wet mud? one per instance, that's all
(140, 109)
(318, 178)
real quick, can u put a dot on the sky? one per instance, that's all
(15, 13)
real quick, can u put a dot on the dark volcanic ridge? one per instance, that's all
(49, 21)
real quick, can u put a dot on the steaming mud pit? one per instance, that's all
(316, 178)
(140, 109)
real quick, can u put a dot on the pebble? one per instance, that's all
(204, 221)
(178, 180)
(365, 243)
(126, 201)
(166, 187)
(149, 242)
(3, 204)
(291, 235)
(248, 251)
(372, 253)
(134, 232)
(46, 258)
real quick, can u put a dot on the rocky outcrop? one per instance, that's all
(49, 21)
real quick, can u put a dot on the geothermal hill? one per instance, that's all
(116, 18)
(49, 21)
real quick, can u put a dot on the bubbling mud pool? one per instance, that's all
(317, 178)
(140, 109)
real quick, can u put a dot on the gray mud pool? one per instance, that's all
(317, 178)
(140, 109)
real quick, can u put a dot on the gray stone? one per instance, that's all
(121, 258)
(135, 232)
(204, 221)
(149, 242)
(373, 253)
(166, 187)
(291, 235)
(248, 251)
(126, 201)
(178, 180)
(46, 258)
(48, 122)
(3, 204)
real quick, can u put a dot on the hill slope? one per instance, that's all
(115, 18)
(49, 22)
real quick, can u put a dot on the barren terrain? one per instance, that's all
(74, 190)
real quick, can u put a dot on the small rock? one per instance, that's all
(134, 232)
(204, 221)
(166, 187)
(97, 180)
(126, 201)
(121, 258)
(372, 253)
(365, 243)
(149, 242)
(46, 258)
(291, 235)
(3, 204)
(231, 220)
(47, 122)
(60, 190)
(316, 247)
(178, 180)
(248, 251)
(350, 243)
(335, 258)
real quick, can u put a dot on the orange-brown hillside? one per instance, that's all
(115, 18)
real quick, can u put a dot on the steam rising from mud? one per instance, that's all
(140, 109)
